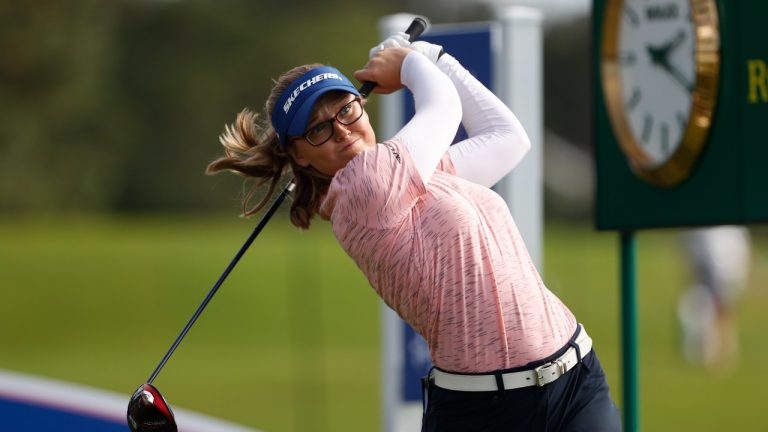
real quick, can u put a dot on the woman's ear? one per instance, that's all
(296, 155)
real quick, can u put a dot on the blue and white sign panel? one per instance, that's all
(35, 404)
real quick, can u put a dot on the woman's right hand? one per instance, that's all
(384, 69)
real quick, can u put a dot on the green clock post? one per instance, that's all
(681, 119)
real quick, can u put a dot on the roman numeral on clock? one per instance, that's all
(647, 128)
(664, 131)
(634, 99)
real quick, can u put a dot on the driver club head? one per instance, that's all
(149, 412)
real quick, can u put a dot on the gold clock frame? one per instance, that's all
(704, 96)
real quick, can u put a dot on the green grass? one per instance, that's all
(291, 342)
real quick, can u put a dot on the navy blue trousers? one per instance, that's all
(578, 401)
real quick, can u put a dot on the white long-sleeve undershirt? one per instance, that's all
(430, 132)
(496, 140)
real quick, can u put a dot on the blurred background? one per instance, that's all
(110, 233)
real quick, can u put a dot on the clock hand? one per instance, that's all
(678, 39)
(679, 77)
(663, 63)
(673, 44)
(660, 57)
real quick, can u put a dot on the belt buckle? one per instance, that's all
(545, 373)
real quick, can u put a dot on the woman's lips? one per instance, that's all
(348, 146)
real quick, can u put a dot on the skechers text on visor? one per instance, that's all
(293, 110)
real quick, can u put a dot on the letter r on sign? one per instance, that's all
(758, 81)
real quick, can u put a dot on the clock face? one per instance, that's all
(660, 75)
(656, 54)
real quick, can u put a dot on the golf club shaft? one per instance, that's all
(279, 200)
(417, 27)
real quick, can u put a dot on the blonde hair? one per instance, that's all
(252, 149)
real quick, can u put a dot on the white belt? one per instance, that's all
(539, 376)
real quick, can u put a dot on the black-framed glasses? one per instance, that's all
(320, 133)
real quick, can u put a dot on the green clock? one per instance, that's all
(660, 64)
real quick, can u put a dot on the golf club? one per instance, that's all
(414, 30)
(148, 410)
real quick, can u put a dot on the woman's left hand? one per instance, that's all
(384, 69)
(399, 39)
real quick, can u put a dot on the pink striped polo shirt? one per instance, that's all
(448, 258)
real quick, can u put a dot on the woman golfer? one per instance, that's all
(439, 247)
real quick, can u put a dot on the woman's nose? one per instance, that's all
(340, 131)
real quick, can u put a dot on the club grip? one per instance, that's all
(417, 27)
(414, 30)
